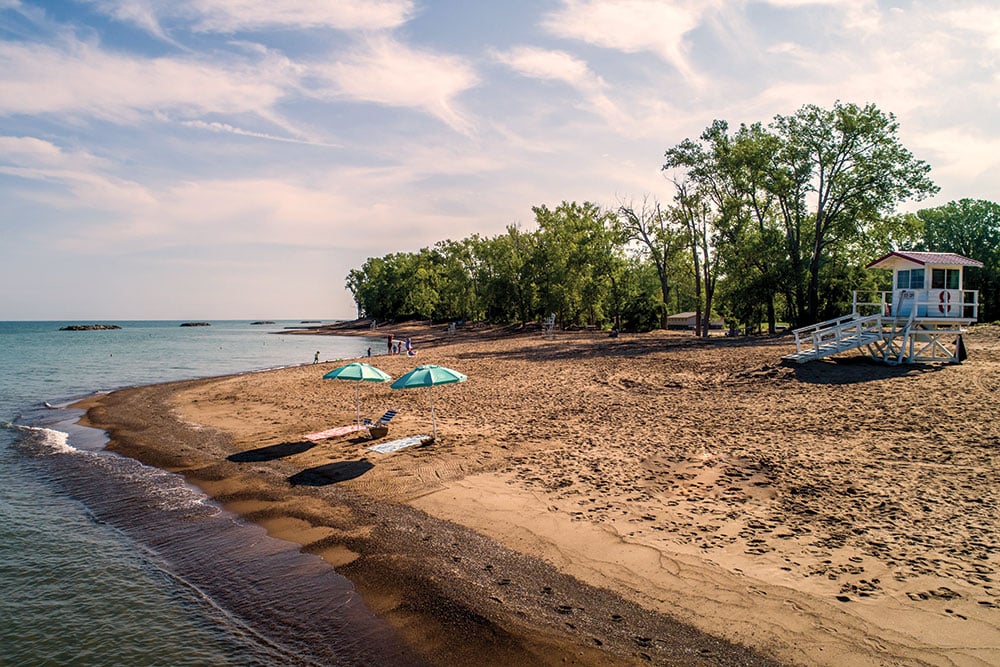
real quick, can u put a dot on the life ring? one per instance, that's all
(944, 299)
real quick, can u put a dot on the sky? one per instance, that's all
(235, 159)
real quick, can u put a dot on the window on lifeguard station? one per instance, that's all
(910, 279)
(945, 278)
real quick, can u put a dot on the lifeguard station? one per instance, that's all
(922, 319)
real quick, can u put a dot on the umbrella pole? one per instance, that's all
(430, 391)
(358, 403)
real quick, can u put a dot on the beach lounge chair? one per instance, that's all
(380, 428)
(383, 420)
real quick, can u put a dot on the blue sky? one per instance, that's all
(220, 159)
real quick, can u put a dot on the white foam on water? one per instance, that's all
(168, 490)
(50, 440)
(171, 492)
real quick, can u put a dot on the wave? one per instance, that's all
(167, 491)
(46, 440)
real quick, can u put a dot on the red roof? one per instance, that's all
(924, 258)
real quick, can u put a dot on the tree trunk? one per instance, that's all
(812, 315)
(697, 288)
(665, 291)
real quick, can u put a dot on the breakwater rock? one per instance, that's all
(89, 327)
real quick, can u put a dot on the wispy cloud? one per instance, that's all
(232, 15)
(32, 151)
(228, 16)
(962, 152)
(79, 180)
(554, 65)
(859, 14)
(82, 79)
(141, 13)
(565, 68)
(386, 71)
(981, 21)
(231, 129)
(632, 26)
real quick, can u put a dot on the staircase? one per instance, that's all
(838, 335)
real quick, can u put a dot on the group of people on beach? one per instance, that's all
(398, 346)
(393, 347)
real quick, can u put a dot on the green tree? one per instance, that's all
(459, 270)
(839, 169)
(969, 227)
(374, 286)
(638, 301)
(508, 282)
(696, 215)
(899, 231)
(572, 261)
(731, 176)
(662, 238)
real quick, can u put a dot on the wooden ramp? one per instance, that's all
(825, 339)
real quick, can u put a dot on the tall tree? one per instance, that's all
(459, 269)
(730, 175)
(969, 227)
(695, 214)
(661, 236)
(573, 260)
(840, 169)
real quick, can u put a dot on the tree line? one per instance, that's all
(765, 225)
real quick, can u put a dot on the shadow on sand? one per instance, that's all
(331, 473)
(271, 452)
(599, 345)
(856, 369)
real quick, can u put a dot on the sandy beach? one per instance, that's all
(647, 498)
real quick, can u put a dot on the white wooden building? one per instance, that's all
(931, 282)
(921, 319)
(690, 319)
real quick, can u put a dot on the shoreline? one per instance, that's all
(591, 465)
(384, 548)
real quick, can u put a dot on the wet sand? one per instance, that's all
(604, 501)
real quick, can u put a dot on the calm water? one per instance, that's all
(104, 561)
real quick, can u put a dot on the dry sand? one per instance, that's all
(586, 492)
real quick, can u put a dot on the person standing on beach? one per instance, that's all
(316, 357)
(369, 352)
(389, 342)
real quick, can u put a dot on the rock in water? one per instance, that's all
(89, 327)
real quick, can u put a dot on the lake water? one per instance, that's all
(105, 561)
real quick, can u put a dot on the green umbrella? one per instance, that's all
(358, 372)
(429, 376)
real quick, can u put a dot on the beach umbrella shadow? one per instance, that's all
(331, 473)
(271, 452)
(429, 376)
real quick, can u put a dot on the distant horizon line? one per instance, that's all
(97, 320)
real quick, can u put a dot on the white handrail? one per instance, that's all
(837, 331)
(968, 300)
